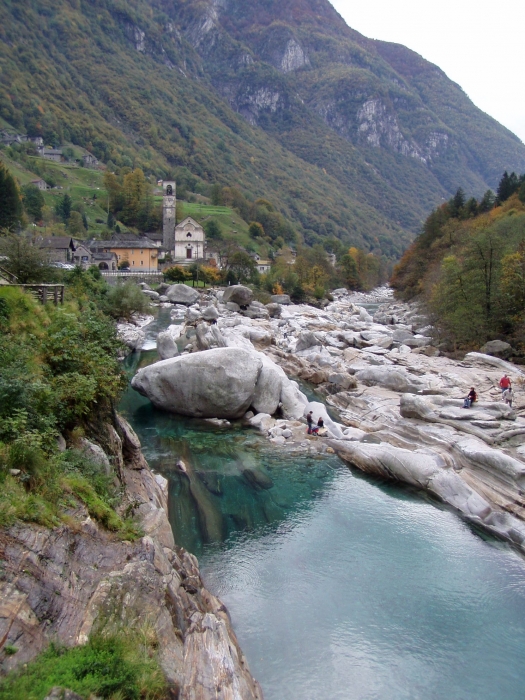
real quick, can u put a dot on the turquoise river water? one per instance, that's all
(340, 587)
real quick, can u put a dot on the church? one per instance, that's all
(190, 242)
(186, 242)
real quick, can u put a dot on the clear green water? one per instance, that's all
(339, 586)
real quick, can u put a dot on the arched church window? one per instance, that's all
(188, 235)
(169, 190)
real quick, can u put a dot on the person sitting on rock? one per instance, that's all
(471, 397)
(320, 427)
(508, 396)
(504, 383)
(312, 430)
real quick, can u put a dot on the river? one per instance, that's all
(339, 586)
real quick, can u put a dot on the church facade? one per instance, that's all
(190, 242)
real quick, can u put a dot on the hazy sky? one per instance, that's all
(479, 44)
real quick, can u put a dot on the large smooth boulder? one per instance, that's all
(268, 391)
(182, 294)
(210, 313)
(166, 346)
(498, 348)
(238, 294)
(217, 383)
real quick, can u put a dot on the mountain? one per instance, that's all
(348, 137)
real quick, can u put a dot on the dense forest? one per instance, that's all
(468, 266)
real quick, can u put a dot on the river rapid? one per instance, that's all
(338, 585)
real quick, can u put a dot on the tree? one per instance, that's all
(457, 203)
(25, 260)
(213, 230)
(216, 195)
(10, 200)
(242, 266)
(34, 202)
(487, 202)
(85, 222)
(256, 230)
(175, 274)
(63, 208)
(75, 224)
(507, 186)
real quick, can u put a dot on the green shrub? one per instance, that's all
(108, 667)
(124, 300)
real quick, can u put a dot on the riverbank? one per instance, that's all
(68, 583)
(397, 400)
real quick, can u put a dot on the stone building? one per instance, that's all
(190, 242)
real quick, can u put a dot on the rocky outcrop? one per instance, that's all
(64, 584)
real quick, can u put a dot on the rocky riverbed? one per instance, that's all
(395, 403)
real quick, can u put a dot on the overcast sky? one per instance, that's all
(479, 44)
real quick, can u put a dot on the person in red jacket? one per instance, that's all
(504, 383)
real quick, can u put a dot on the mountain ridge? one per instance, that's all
(282, 100)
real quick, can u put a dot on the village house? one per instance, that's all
(60, 249)
(138, 251)
(54, 154)
(90, 161)
(190, 242)
(104, 261)
(41, 184)
(263, 266)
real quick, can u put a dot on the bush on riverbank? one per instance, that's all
(59, 365)
(120, 666)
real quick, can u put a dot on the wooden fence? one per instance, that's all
(44, 292)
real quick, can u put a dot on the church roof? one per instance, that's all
(188, 220)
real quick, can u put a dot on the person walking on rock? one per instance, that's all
(504, 383)
(508, 396)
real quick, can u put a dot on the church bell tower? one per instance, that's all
(169, 211)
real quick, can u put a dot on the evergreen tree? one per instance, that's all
(507, 186)
(85, 221)
(487, 202)
(34, 202)
(213, 230)
(457, 203)
(63, 208)
(10, 201)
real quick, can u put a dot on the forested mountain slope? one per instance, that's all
(348, 137)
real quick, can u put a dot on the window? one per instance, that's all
(141, 252)
(142, 262)
(119, 257)
(188, 235)
(133, 262)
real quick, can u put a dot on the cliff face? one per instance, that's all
(296, 69)
(63, 584)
